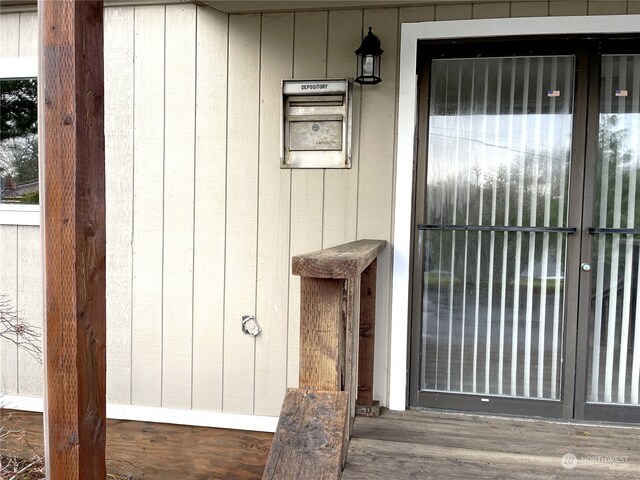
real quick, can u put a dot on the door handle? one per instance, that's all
(621, 231)
(498, 228)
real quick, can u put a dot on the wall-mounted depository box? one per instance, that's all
(316, 128)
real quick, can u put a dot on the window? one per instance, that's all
(19, 186)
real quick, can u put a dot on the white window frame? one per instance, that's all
(411, 34)
(19, 67)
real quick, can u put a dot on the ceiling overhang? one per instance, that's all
(249, 6)
(253, 6)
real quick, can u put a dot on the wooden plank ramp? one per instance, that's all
(312, 436)
(430, 445)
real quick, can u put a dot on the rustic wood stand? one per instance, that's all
(337, 323)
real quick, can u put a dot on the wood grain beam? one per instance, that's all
(344, 261)
(311, 441)
(322, 333)
(367, 334)
(73, 201)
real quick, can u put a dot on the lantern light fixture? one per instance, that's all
(369, 60)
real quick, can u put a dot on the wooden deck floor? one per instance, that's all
(395, 446)
(428, 445)
(160, 451)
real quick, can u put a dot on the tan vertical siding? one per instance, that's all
(242, 211)
(454, 12)
(568, 7)
(607, 7)
(375, 193)
(529, 9)
(417, 14)
(340, 203)
(148, 197)
(9, 289)
(29, 304)
(491, 10)
(119, 101)
(9, 35)
(177, 255)
(307, 186)
(210, 196)
(201, 221)
(28, 46)
(274, 190)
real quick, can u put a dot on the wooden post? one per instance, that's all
(322, 333)
(367, 334)
(72, 150)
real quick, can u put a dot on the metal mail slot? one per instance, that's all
(320, 135)
(316, 123)
(326, 101)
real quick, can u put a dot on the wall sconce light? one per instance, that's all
(369, 60)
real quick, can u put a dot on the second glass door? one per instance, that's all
(609, 356)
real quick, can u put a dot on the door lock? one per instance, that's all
(585, 267)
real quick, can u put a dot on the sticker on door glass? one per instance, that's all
(621, 93)
(553, 93)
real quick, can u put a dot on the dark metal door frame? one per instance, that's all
(583, 409)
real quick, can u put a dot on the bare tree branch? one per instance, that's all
(15, 330)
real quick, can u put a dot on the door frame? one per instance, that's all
(585, 410)
(489, 48)
(406, 153)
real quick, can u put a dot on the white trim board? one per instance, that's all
(19, 67)
(411, 34)
(198, 418)
(11, 214)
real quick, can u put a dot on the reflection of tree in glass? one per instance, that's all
(615, 152)
(19, 158)
(521, 178)
(525, 179)
(617, 164)
(18, 99)
(18, 138)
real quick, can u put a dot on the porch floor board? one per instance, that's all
(160, 451)
(396, 445)
(427, 444)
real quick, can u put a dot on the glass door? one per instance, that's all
(611, 356)
(493, 238)
(526, 286)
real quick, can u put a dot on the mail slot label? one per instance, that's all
(314, 86)
(306, 87)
